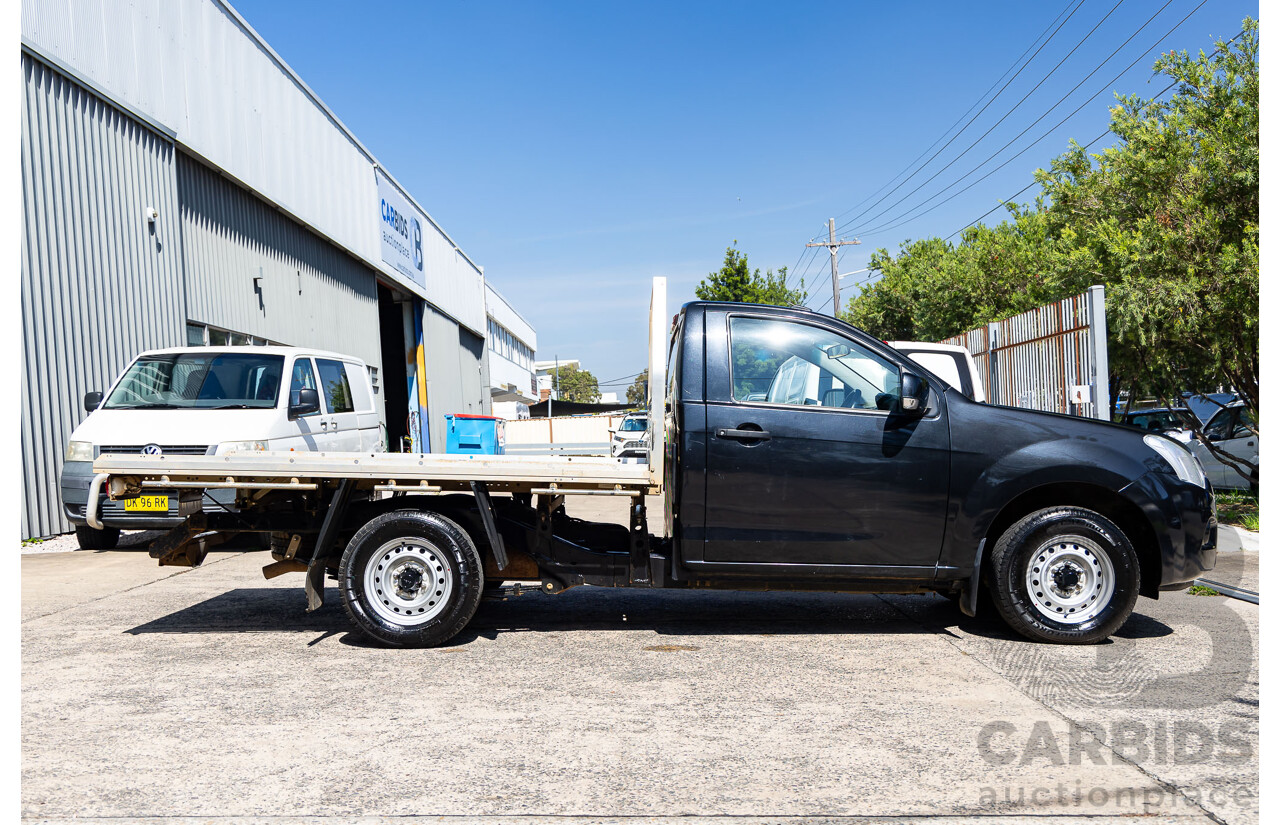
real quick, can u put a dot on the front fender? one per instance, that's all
(985, 490)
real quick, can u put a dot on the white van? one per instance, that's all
(208, 401)
(950, 362)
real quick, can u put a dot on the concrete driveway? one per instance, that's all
(164, 694)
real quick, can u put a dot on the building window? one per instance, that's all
(203, 335)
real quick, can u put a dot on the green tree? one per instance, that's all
(575, 384)
(736, 282)
(638, 392)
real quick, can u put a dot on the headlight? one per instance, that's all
(1179, 458)
(242, 447)
(80, 451)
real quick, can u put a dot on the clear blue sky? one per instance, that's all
(575, 150)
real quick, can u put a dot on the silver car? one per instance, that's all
(1232, 430)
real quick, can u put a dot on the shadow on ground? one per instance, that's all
(673, 613)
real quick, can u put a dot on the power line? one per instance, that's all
(895, 220)
(971, 120)
(1095, 140)
(894, 223)
(947, 131)
(1004, 117)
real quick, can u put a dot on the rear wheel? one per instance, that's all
(91, 538)
(1065, 574)
(411, 579)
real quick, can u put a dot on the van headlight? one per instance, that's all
(242, 447)
(80, 451)
(1179, 458)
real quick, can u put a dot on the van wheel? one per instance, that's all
(411, 578)
(1066, 575)
(91, 538)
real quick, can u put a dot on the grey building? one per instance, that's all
(182, 185)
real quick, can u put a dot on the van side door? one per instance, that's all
(306, 431)
(368, 424)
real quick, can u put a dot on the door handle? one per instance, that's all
(324, 425)
(743, 435)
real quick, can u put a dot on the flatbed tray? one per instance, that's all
(570, 471)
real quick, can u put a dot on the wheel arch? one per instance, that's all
(1126, 515)
(459, 508)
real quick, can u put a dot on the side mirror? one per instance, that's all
(92, 400)
(308, 402)
(915, 393)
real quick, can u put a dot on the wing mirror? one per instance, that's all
(92, 400)
(915, 393)
(308, 402)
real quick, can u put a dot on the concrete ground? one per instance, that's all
(175, 695)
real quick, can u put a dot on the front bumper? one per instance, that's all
(74, 484)
(1184, 518)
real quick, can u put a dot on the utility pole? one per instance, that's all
(834, 245)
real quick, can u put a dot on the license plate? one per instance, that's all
(147, 504)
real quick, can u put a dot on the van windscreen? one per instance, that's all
(206, 381)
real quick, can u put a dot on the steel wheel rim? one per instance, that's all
(1070, 579)
(408, 581)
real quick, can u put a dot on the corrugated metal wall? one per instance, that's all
(199, 70)
(311, 293)
(98, 285)
(455, 371)
(1034, 359)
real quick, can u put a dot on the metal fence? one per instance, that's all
(1052, 358)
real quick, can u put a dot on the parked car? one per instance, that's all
(1175, 422)
(631, 437)
(1207, 405)
(1231, 429)
(210, 401)
(950, 362)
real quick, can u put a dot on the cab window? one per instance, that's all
(779, 361)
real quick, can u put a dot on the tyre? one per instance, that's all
(91, 538)
(1066, 575)
(411, 579)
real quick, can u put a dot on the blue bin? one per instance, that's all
(475, 435)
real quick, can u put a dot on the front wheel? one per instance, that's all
(1065, 574)
(411, 579)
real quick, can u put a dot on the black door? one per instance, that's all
(807, 461)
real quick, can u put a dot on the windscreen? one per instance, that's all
(207, 381)
(634, 425)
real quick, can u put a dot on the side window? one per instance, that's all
(304, 378)
(779, 361)
(359, 387)
(1243, 424)
(336, 387)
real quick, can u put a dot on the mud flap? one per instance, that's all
(485, 505)
(969, 596)
(324, 543)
